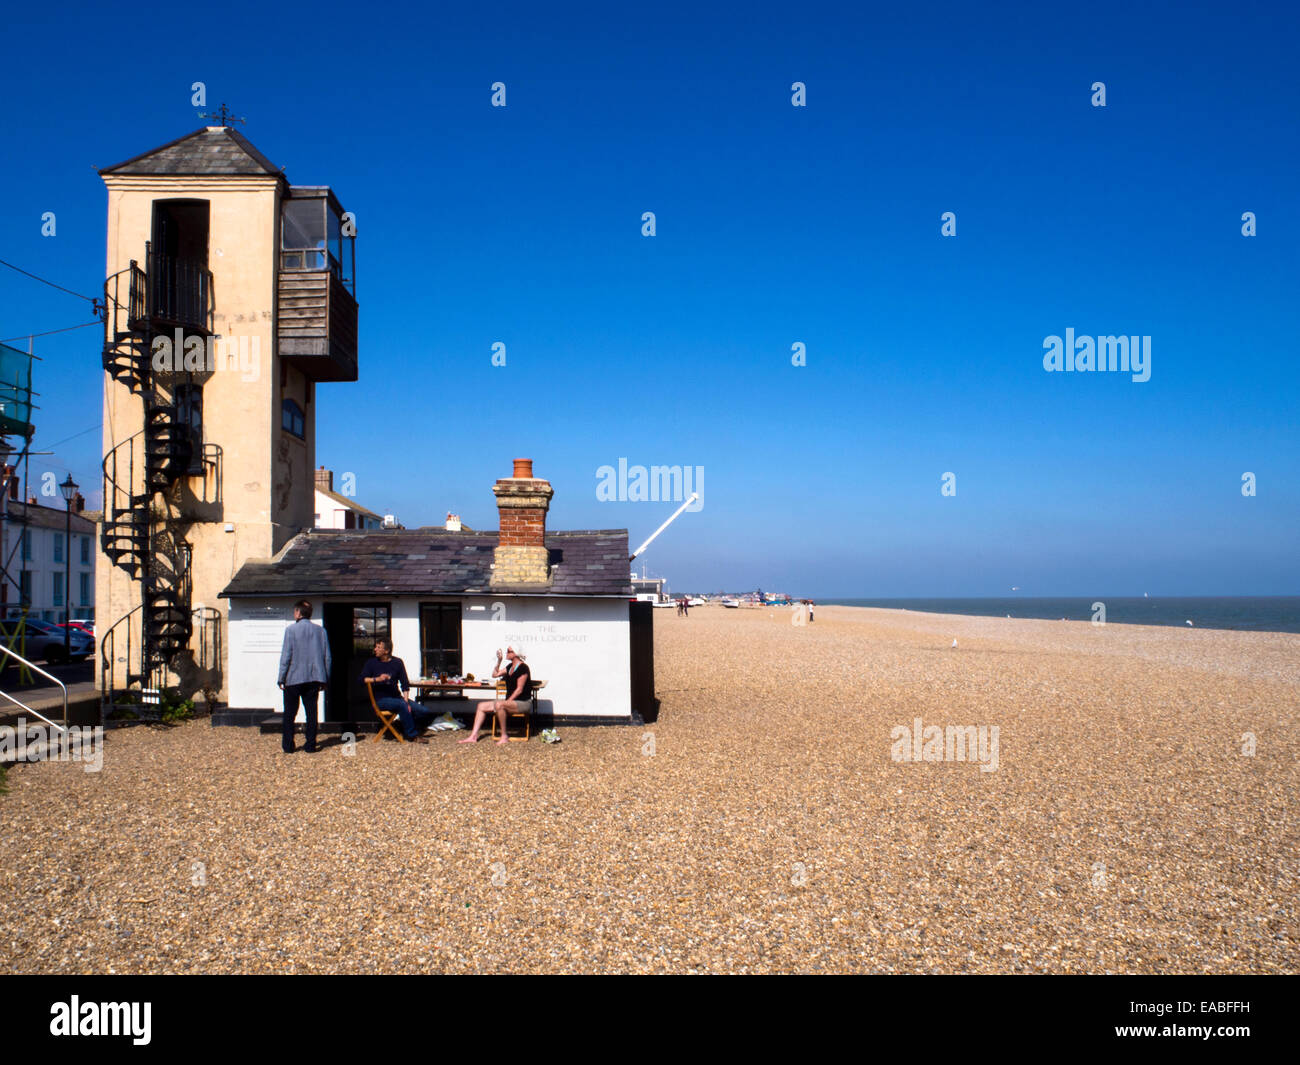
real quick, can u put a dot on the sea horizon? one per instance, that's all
(1246, 613)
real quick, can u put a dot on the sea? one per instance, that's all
(1269, 613)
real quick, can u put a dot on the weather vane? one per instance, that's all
(224, 115)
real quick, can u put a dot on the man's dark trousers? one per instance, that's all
(413, 717)
(308, 694)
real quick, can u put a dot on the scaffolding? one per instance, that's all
(16, 408)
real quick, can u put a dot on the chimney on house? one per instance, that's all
(453, 522)
(11, 483)
(31, 501)
(325, 479)
(522, 503)
(78, 503)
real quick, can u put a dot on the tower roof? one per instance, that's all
(211, 150)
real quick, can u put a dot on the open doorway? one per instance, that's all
(352, 629)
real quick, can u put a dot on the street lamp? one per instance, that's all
(69, 490)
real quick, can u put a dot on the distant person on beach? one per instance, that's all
(810, 609)
(519, 695)
(686, 607)
(387, 678)
(304, 671)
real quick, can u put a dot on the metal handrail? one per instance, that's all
(33, 665)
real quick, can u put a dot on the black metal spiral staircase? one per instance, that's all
(139, 533)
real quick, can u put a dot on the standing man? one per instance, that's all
(304, 671)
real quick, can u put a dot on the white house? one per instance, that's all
(448, 600)
(36, 555)
(335, 511)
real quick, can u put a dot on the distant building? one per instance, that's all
(648, 589)
(334, 511)
(36, 551)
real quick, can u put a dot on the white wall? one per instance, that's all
(578, 646)
(254, 652)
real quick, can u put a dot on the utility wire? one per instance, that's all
(51, 332)
(74, 436)
(42, 280)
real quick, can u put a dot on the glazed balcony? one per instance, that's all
(316, 328)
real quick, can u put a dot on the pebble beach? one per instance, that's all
(1141, 818)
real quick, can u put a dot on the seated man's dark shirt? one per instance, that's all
(386, 689)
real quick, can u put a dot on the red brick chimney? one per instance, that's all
(325, 479)
(78, 503)
(522, 503)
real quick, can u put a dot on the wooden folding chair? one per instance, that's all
(386, 717)
(533, 688)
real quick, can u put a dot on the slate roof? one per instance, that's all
(429, 562)
(211, 150)
(42, 517)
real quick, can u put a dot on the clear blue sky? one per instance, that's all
(776, 224)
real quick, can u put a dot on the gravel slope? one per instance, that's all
(769, 830)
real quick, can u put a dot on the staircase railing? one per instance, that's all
(138, 304)
(36, 713)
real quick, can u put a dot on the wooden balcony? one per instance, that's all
(317, 325)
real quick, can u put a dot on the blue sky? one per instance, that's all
(775, 225)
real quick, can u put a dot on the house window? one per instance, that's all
(58, 547)
(85, 589)
(27, 545)
(25, 587)
(440, 650)
(292, 420)
(58, 589)
(85, 550)
(189, 414)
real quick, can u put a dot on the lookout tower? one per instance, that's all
(230, 294)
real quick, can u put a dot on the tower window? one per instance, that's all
(292, 419)
(189, 414)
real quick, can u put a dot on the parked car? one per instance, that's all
(88, 627)
(46, 640)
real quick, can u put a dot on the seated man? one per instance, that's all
(519, 695)
(387, 677)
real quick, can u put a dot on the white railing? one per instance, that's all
(32, 665)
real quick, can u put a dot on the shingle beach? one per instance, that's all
(762, 824)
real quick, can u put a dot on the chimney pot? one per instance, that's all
(325, 479)
(523, 469)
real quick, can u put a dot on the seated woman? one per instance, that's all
(388, 678)
(519, 695)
